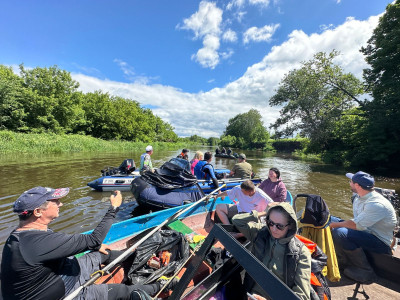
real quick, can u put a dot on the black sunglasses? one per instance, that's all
(277, 225)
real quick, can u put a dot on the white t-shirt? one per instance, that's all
(258, 201)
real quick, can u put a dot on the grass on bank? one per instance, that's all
(14, 142)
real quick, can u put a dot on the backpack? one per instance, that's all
(320, 289)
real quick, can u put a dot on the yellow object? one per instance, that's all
(323, 238)
(198, 238)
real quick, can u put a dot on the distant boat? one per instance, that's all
(224, 155)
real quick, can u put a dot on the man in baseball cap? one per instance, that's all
(242, 169)
(38, 263)
(371, 229)
(37, 197)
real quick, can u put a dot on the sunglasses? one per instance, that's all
(277, 225)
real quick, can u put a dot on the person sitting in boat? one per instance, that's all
(242, 169)
(229, 151)
(145, 161)
(223, 151)
(371, 229)
(38, 263)
(276, 246)
(198, 156)
(217, 151)
(248, 197)
(205, 170)
(184, 154)
(273, 186)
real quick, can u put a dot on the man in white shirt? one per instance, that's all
(249, 198)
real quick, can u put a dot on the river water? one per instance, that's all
(83, 208)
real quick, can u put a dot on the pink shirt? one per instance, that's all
(193, 164)
(276, 190)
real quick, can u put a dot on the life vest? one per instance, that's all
(318, 281)
(198, 170)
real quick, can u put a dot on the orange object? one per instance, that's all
(165, 257)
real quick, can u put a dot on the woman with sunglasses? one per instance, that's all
(275, 245)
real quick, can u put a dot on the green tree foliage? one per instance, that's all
(381, 147)
(228, 141)
(213, 141)
(247, 129)
(48, 100)
(195, 139)
(12, 112)
(314, 98)
(52, 102)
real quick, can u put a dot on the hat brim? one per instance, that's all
(349, 175)
(57, 194)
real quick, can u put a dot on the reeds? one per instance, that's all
(14, 142)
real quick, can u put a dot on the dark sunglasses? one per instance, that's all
(277, 225)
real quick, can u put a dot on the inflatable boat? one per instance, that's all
(172, 186)
(113, 178)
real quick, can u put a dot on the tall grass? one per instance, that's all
(14, 142)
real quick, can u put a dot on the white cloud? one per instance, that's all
(235, 3)
(205, 24)
(262, 34)
(259, 2)
(128, 71)
(131, 75)
(229, 36)
(190, 113)
(227, 54)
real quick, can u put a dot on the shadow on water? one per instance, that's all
(83, 208)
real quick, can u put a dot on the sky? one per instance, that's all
(196, 64)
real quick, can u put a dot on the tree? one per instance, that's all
(381, 147)
(59, 108)
(213, 141)
(315, 97)
(12, 112)
(248, 129)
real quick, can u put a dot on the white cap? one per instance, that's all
(149, 148)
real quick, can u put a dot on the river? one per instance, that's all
(83, 208)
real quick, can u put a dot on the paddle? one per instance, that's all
(128, 251)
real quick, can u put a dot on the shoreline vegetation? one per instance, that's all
(32, 143)
(12, 142)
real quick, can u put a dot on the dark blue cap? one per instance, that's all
(35, 197)
(363, 179)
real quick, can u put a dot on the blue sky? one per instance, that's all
(195, 63)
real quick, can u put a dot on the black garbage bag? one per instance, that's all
(170, 176)
(172, 241)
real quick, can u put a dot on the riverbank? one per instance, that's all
(14, 142)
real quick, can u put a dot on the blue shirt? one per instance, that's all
(375, 214)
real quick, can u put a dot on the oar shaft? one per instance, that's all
(201, 200)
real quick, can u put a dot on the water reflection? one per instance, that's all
(83, 208)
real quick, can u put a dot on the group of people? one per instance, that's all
(38, 263)
(224, 151)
